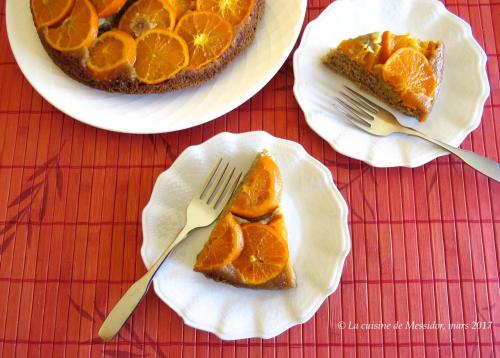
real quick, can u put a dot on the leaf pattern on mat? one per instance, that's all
(80, 310)
(135, 340)
(332, 163)
(369, 206)
(13, 220)
(36, 190)
(43, 168)
(171, 155)
(6, 242)
(45, 197)
(24, 195)
(433, 181)
(59, 180)
(369, 209)
(29, 234)
(151, 138)
(344, 185)
(287, 72)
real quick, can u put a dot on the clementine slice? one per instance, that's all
(182, 6)
(387, 45)
(234, 11)
(363, 49)
(392, 42)
(261, 192)
(106, 8)
(161, 54)
(410, 73)
(145, 15)
(207, 34)
(223, 246)
(50, 12)
(78, 31)
(264, 254)
(113, 51)
(278, 224)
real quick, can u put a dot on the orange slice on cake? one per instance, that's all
(113, 51)
(264, 255)
(207, 35)
(261, 192)
(145, 15)
(50, 12)
(223, 246)
(234, 11)
(182, 6)
(161, 54)
(106, 8)
(409, 72)
(78, 31)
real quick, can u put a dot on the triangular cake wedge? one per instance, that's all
(402, 71)
(248, 246)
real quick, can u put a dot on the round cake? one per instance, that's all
(145, 46)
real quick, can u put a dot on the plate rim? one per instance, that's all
(327, 290)
(251, 92)
(426, 157)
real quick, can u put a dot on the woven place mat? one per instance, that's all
(425, 242)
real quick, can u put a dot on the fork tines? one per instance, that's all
(357, 107)
(220, 184)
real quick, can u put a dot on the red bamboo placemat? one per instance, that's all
(425, 242)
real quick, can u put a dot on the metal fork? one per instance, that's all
(202, 211)
(370, 117)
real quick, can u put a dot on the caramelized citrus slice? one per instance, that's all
(223, 246)
(145, 15)
(113, 51)
(391, 43)
(106, 8)
(364, 49)
(78, 31)
(182, 6)
(234, 11)
(278, 224)
(264, 254)
(410, 73)
(207, 34)
(161, 54)
(387, 46)
(50, 12)
(261, 192)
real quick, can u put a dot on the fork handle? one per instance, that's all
(482, 164)
(134, 295)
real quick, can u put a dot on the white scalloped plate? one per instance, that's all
(244, 77)
(316, 216)
(458, 108)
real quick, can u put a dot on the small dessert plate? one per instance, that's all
(316, 217)
(156, 113)
(459, 105)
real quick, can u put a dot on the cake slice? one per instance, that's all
(248, 246)
(402, 71)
